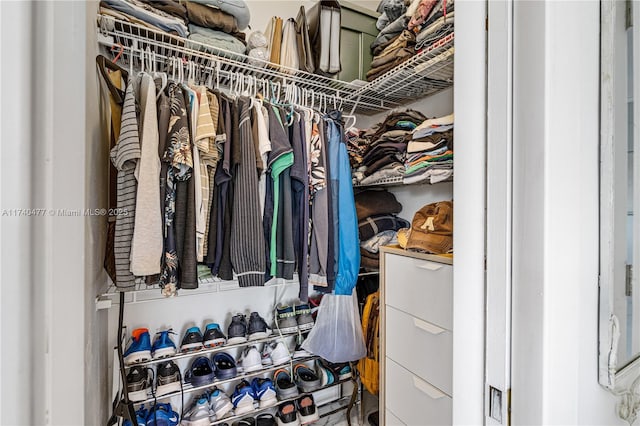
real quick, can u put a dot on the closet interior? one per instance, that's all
(353, 192)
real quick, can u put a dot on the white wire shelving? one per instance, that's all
(428, 72)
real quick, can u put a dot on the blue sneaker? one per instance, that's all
(213, 336)
(192, 340)
(243, 398)
(162, 415)
(139, 349)
(265, 391)
(141, 417)
(163, 346)
(201, 372)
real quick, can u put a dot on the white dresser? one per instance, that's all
(416, 334)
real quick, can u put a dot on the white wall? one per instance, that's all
(555, 260)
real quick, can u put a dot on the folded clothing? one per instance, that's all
(421, 13)
(390, 11)
(392, 120)
(384, 238)
(389, 32)
(426, 131)
(373, 225)
(216, 39)
(373, 202)
(149, 14)
(392, 171)
(209, 17)
(430, 142)
(172, 7)
(430, 174)
(236, 8)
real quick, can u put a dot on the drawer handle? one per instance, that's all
(428, 327)
(427, 389)
(429, 266)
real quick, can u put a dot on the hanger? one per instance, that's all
(105, 64)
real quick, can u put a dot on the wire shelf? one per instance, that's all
(429, 71)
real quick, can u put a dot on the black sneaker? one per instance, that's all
(265, 419)
(138, 382)
(299, 352)
(248, 421)
(237, 331)
(303, 317)
(258, 328)
(192, 340)
(168, 378)
(213, 336)
(307, 409)
(287, 414)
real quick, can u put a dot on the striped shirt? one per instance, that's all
(124, 157)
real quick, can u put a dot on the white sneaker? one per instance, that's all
(199, 414)
(280, 354)
(220, 403)
(251, 360)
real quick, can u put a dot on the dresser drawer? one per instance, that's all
(421, 288)
(414, 401)
(391, 420)
(421, 347)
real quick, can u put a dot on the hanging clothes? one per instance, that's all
(247, 248)
(318, 251)
(300, 192)
(125, 155)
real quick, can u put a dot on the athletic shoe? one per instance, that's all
(287, 415)
(200, 373)
(163, 346)
(138, 381)
(139, 349)
(285, 388)
(250, 360)
(258, 328)
(213, 336)
(141, 418)
(265, 419)
(306, 378)
(265, 392)
(299, 352)
(307, 409)
(275, 353)
(192, 340)
(326, 375)
(225, 366)
(341, 370)
(220, 403)
(199, 414)
(286, 319)
(243, 398)
(162, 415)
(303, 317)
(248, 421)
(237, 331)
(168, 378)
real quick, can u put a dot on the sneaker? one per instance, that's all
(265, 391)
(326, 375)
(237, 331)
(200, 373)
(243, 398)
(199, 414)
(307, 409)
(138, 383)
(299, 352)
(265, 419)
(286, 319)
(248, 421)
(168, 378)
(258, 328)
(275, 353)
(306, 378)
(162, 415)
(225, 366)
(250, 360)
(220, 403)
(341, 370)
(303, 317)
(141, 417)
(285, 388)
(213, 336)
(163, 346)
(192, 340)
(139, 349)
(287, 414)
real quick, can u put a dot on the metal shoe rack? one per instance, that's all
(428, 72)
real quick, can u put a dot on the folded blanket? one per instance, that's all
(216, 39)
(106, 10)
(390, 32)
(373, 225)
(236, 8)
(384, 238)
(172, 7)
(149, 14)
(209, 17)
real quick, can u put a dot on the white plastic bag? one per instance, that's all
(337, 334)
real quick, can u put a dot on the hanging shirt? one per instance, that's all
(264, 147)
(146, 245)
